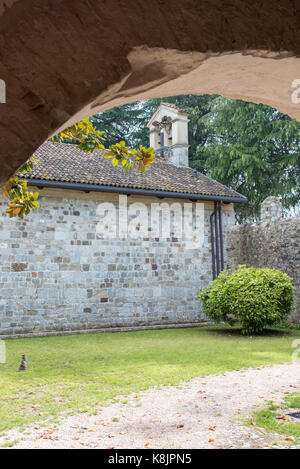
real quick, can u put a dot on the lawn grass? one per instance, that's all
(271, 417)
(76, 373)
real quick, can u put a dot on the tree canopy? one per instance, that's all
(255, 149)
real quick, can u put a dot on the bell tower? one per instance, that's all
(168, 128)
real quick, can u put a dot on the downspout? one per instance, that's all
(217, 240)
(216, 210)
(212, 241)
(221, 236)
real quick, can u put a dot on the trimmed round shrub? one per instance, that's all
(254, 298)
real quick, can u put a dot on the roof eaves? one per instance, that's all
(130, 190)
(219, 183)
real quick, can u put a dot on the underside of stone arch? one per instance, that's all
(63, 60)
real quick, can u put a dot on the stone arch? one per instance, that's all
(63, 60)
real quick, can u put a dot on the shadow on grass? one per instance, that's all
(237, 332)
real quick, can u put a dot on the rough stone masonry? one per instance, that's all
(57, 275)
(273, 242)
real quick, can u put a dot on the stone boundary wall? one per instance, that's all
(273, 242)
(57, 275)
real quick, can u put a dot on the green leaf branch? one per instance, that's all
(22, 202)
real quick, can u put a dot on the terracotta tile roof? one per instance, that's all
(66, 163)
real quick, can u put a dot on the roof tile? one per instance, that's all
(65, 162)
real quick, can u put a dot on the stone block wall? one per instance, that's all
(273, 242)
(58, 274)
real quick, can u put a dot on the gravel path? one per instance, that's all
(202, 413)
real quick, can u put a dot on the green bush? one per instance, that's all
(255, 298)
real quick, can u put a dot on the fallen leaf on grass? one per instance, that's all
(48, 437)
(281, 417)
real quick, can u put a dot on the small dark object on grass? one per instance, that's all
(23, 365)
